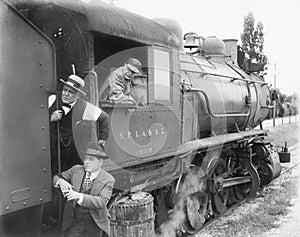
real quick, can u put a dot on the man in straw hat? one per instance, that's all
(120, 80)
(87, 189)
(71, 110)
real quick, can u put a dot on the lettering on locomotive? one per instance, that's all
(145, 133)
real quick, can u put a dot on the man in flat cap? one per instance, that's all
(120, 81)
(87, 189)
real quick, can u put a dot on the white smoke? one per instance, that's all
(169, 228)
(190, 185)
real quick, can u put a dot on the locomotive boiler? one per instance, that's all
(189, 140)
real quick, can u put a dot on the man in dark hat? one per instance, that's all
(120, 81)
(87, 189)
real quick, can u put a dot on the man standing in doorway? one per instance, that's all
(71, 110)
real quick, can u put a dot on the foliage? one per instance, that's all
(285, 105)
(253, 39)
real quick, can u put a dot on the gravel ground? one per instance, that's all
(290, 224)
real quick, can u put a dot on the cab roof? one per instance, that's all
(109, 19)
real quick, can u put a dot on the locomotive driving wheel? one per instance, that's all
(248, 189)
(195, 211)
(219, 195)
(265, 172)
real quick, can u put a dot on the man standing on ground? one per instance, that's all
(88, 189)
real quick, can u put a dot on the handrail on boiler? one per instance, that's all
(192, 89)
(251, 82)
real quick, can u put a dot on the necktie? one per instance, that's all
(87, 181)
(66, 108)
(67, 105)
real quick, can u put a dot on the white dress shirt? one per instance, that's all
(67, 109)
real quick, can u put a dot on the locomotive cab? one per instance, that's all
(96, 43)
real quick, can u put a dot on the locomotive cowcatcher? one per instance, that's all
(189, 140)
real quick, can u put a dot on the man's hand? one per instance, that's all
(56, 115)
(101, 142)
(64, 186)
(72, 195)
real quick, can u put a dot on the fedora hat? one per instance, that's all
(75, 82)
(134, 65)
(94, 149)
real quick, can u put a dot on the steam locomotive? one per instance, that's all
(189, 137)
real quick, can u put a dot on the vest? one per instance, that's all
(81, 209)
(68, 120)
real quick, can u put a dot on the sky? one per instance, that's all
(225, 18)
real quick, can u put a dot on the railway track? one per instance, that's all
(285, 169)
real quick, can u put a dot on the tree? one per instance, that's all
(253, 40)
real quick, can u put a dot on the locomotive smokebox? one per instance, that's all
(231, 49)
(133, 215)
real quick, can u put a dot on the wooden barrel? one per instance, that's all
(133, 216)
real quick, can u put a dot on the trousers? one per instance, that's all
(83, 225)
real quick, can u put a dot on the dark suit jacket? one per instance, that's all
(101, 191)
(76, 132)
(76, 114)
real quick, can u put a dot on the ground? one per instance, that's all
(276, 209)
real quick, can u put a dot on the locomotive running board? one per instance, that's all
(219, 140)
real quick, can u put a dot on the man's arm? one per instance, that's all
(63, 181)
(104, 126)
(116, 86)
(101, 200)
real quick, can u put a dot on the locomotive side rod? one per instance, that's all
(225, 183)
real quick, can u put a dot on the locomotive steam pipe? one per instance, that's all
(209, 107)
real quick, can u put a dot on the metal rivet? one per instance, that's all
(42, 106)
(44, 170)
(40, 63)
(45, 190)
(24, 203)
(41, 85)
(43, 127)
(41, 199)
(7, 208)
(43, 148)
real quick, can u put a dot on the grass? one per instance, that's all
(286, 133)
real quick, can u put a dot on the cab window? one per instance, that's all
(161, 74)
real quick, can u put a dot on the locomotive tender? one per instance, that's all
(189, 141)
